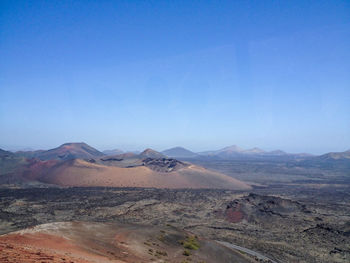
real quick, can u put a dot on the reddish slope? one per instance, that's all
(83, 173)
(85, 242)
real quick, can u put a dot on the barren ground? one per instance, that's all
(287, 224)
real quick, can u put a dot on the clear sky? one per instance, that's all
(200, 74)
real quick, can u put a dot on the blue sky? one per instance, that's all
(201, 74)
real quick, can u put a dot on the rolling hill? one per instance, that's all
(83, 173)
(339, 161)
(90, 242)
(129, 171)
(336, 156)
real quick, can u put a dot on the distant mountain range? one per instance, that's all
(82, 150)
(78, 164)
(231, 152)
(113, 152)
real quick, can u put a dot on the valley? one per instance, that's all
(175, 131)
(242, 208)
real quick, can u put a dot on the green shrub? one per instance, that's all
(191, 243)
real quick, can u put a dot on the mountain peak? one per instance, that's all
(71, 150)
(150, 153)
(149, 150)
(232, 148)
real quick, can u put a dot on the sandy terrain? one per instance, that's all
(83, 173)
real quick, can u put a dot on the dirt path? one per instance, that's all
(246, 250)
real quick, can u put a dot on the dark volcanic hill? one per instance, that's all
(262, 209)
(66, 151)
(179, 152)
(4, 153)
(9, 164)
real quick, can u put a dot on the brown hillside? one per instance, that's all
(82, 173)
(84, 242)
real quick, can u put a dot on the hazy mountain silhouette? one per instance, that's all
(335, 156)
(113, 152)
(179, 152)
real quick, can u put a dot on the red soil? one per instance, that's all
(44, 248)
(82, 173)
(36, 167)
(89, 242)
(234, 215)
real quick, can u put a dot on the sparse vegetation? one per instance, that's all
(190, 243)
(161, 237)
(161, 253)
(147, 244)
(323, 220)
